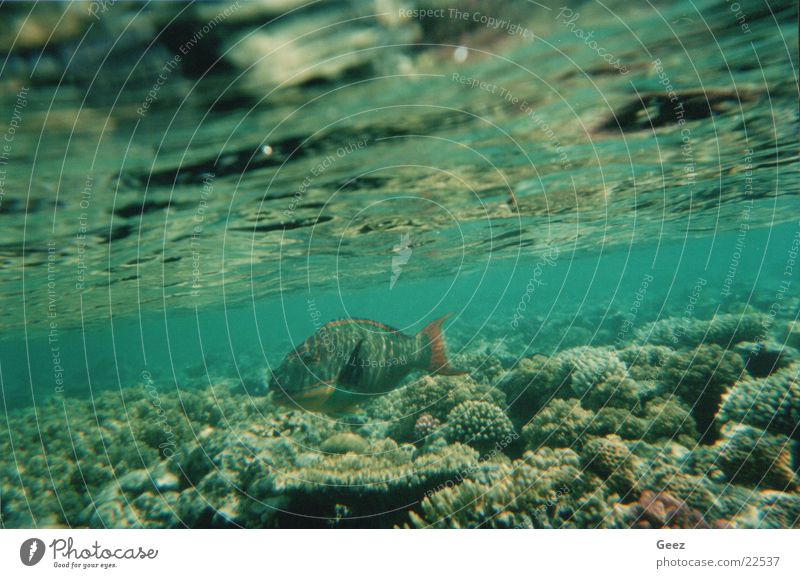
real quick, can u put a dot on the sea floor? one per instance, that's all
(689, 424)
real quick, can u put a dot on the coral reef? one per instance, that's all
(645, 362)
(724, 329)
(700, 377)
(771, 403)
(620, 422)
(764, 358)
(669, 420)
(545, 489)
(374, 487)
(661, 510)
(611, 460)
(680, 435)
(432, 395)
(480, 424)
(751, 456)
(139, 499)
(595, 376)
(616, 391)
(345, 442)
(773, 509)
(590, 366)
(532, 383)
(425, 426)
(561, 424)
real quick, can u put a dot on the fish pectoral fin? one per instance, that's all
(352, 371)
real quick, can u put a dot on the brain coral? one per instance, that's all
(668, 419)
(771, 403)
(622, 422)
(589, 366)
(561, 424)
(612, 460)
(700, 377)
(753, 457)
(532, 383)
(480, 424)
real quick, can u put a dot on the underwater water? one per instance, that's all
(603, 196)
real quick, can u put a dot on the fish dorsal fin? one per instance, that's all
(438, 363)
(353, 369)
(368, 322)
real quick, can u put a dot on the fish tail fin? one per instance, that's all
(438, 362)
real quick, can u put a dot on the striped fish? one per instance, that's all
(352, 360)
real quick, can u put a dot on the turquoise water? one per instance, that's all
(616, 240)
(581, 293)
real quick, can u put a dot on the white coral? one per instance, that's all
(589, 366)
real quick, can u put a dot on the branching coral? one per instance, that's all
(764, 358)
(485, 366)
(644, 362)
(508, 502)
(425, 426)
(59, 465)
(391, 469)
(616, 391)
(698, 492)
(594, 375)
(545, 489)
(374, 487)
(345, 442)
(433, 395)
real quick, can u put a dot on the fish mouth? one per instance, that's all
(280, 399)
(314, 397)
(277, 391)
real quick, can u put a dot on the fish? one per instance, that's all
(349, 361)
(403, 255)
